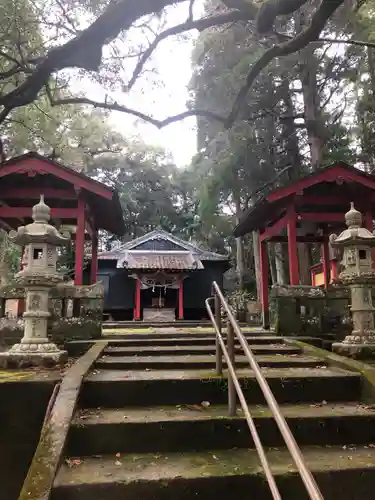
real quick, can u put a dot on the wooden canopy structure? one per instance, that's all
(74, 199)
(307, 211)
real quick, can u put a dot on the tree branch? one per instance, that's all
(83, 51)
(309, 34)
(200, 25)
(124, 109)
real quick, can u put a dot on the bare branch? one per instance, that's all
(200, 25)
(124, 109)
(309, 34)
(191, 10)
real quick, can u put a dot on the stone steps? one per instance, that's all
(118, 388)
(164, 429)
(345, 474)
(200, 362)
(153, 423)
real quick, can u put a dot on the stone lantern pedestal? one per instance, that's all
(359, 276)
(38, 276)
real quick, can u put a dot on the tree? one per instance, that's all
(93, 37)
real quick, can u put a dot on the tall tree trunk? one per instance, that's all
(256, 243)
(308, 69)
(280, 264)
(290, 134)
(271, 259)
(240, 251)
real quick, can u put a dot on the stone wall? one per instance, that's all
(76, 313)
(22, 409)
(301, 310)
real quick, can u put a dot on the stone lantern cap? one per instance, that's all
(355, 234)
(39, 231)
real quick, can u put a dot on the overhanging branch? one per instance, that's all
(124, 109)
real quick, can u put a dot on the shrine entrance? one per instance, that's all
(160, 296)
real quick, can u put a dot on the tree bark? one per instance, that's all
(280, 264)
(256, 243)
(308, 69)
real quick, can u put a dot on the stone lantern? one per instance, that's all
(359, 276)
(38, 276)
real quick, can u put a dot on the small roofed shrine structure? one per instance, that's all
(74, 198)
(159, 277)
(307, 211)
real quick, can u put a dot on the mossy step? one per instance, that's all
(196, 362)
(166, 350)
(164, 429)
(176, 349)
(342, 473)
(185, 340)
(117, 388)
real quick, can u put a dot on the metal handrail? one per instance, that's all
(235, 386)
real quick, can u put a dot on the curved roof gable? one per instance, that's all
(159, 234)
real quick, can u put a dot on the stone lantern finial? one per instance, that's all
(41, 213)
(353, 218)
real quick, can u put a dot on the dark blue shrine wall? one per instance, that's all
(197, 286)
(119, 289)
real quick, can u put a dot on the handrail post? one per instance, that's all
(232, 398)
(219, 352)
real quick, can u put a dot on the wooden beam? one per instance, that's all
(17, 212)
(326, 200)
(321, 217)
(34, 193)
(80, 243)
(300, 239)
(274, 229)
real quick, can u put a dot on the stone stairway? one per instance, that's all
(153, 424)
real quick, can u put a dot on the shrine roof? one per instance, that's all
(149, 259)
(160, 243)
(330, 189)
(24, 178)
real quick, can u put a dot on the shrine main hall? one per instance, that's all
(159, 277)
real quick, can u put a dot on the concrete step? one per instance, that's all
(181, 350)
(345, 474)
(127, 341)
(200, 362)
(164, 429)
(118, 388)
(185, 340)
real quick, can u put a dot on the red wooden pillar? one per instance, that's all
(181, 298)
(326, 263)
(263, 252)
(334, 270)
(137, 308)
(369, 226)
(94, 256)
(80, 242)
(292, 247)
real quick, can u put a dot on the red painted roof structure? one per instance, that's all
(24, 178)
(325, 192)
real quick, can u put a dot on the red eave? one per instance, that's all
(33, 162)
(331, 174)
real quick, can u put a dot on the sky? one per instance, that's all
(168, 96)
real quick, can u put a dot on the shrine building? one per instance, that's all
(306, 212)
(159, 277)
(75, 200)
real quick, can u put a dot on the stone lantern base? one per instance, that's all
(25, 355)
(354, 350)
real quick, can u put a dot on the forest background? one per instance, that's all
(312, 105)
